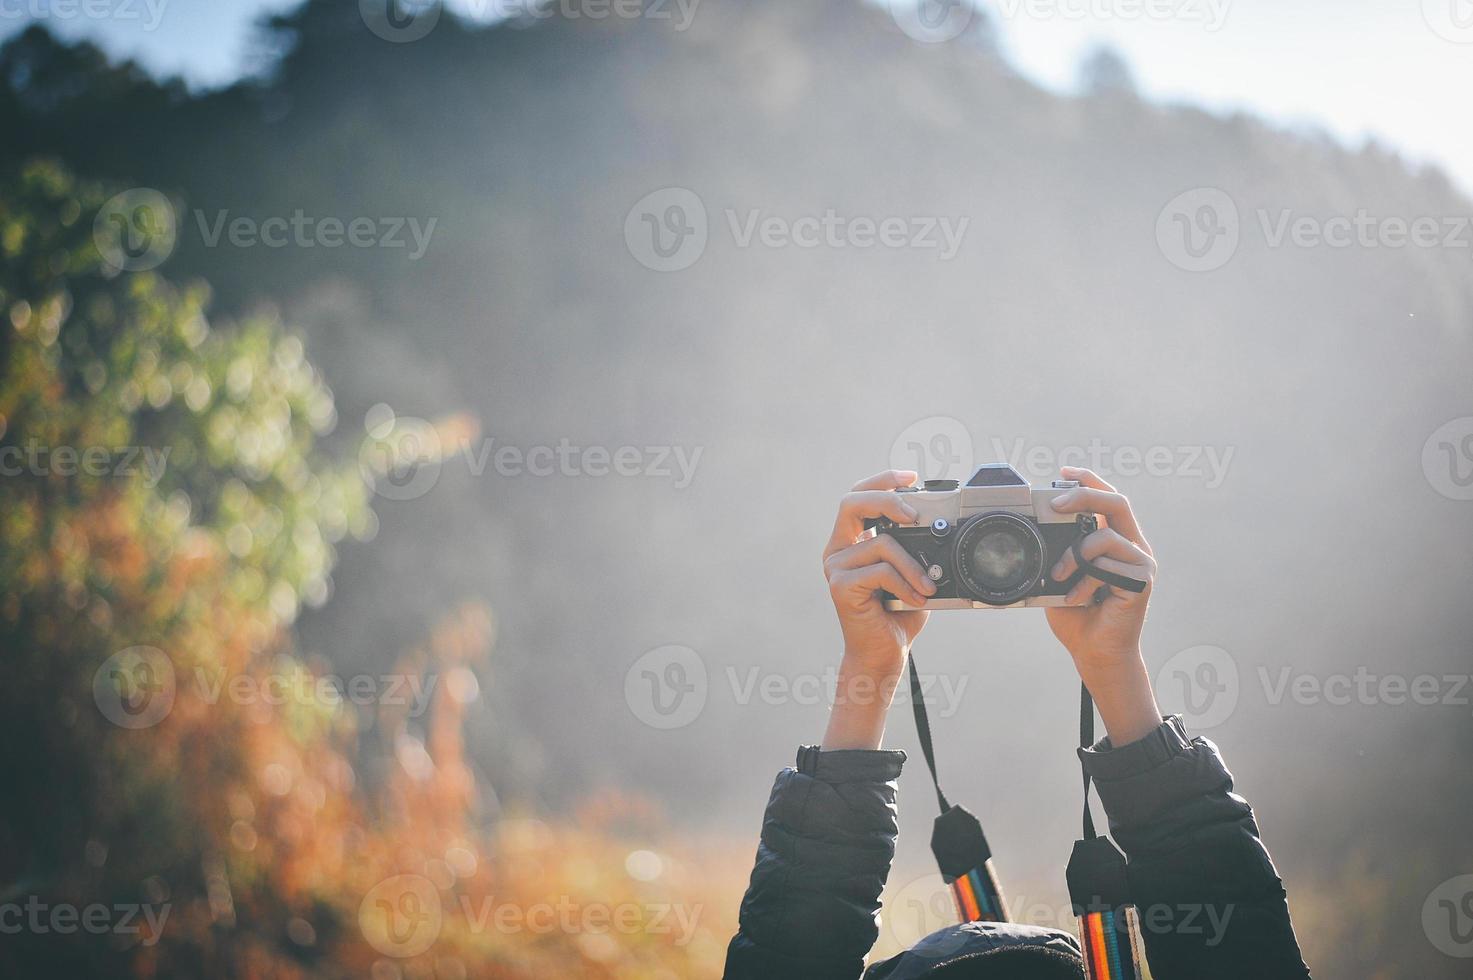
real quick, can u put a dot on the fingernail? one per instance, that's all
(1064, 499)
(909, 511)
(1058, 573)
(928, 587)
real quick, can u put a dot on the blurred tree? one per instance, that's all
(159, 491)
(165, 513)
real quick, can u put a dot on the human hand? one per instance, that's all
(858, 565)
(1103, 635)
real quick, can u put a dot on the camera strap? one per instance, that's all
(1099, 890)
(1108, 577)
(957, 840)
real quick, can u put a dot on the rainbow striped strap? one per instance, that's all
(1111, 948)
(965, 862)
(1099, 888)
(979, 895)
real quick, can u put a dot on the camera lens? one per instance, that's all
(999, 556)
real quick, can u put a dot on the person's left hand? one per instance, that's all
(1104, 632)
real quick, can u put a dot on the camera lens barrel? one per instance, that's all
(999, 557)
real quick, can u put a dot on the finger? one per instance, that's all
(1087, 477)
(853, 586)
(1113, 506)
(1105, 541)
(859, 505)
(884, 548)
(1088, 591)
(888, 480)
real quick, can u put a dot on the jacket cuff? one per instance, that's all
(1104, 762)
(850, 765)
(1140, 783)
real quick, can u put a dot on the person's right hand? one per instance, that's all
(860, 563)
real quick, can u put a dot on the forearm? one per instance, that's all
(1121, 688)
(862, 698)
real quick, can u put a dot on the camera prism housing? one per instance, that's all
(989, 544)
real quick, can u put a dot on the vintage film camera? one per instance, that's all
(989, 544)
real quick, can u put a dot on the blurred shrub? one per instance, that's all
(165, 513)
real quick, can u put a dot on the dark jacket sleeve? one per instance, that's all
(812, 906)
(1210, 901)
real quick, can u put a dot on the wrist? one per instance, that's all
(1121, 688)
(877, 665)
(862, 696)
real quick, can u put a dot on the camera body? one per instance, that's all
(988, 544)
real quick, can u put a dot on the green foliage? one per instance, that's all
(161, 486)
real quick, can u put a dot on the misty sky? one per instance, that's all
(1400, 70)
